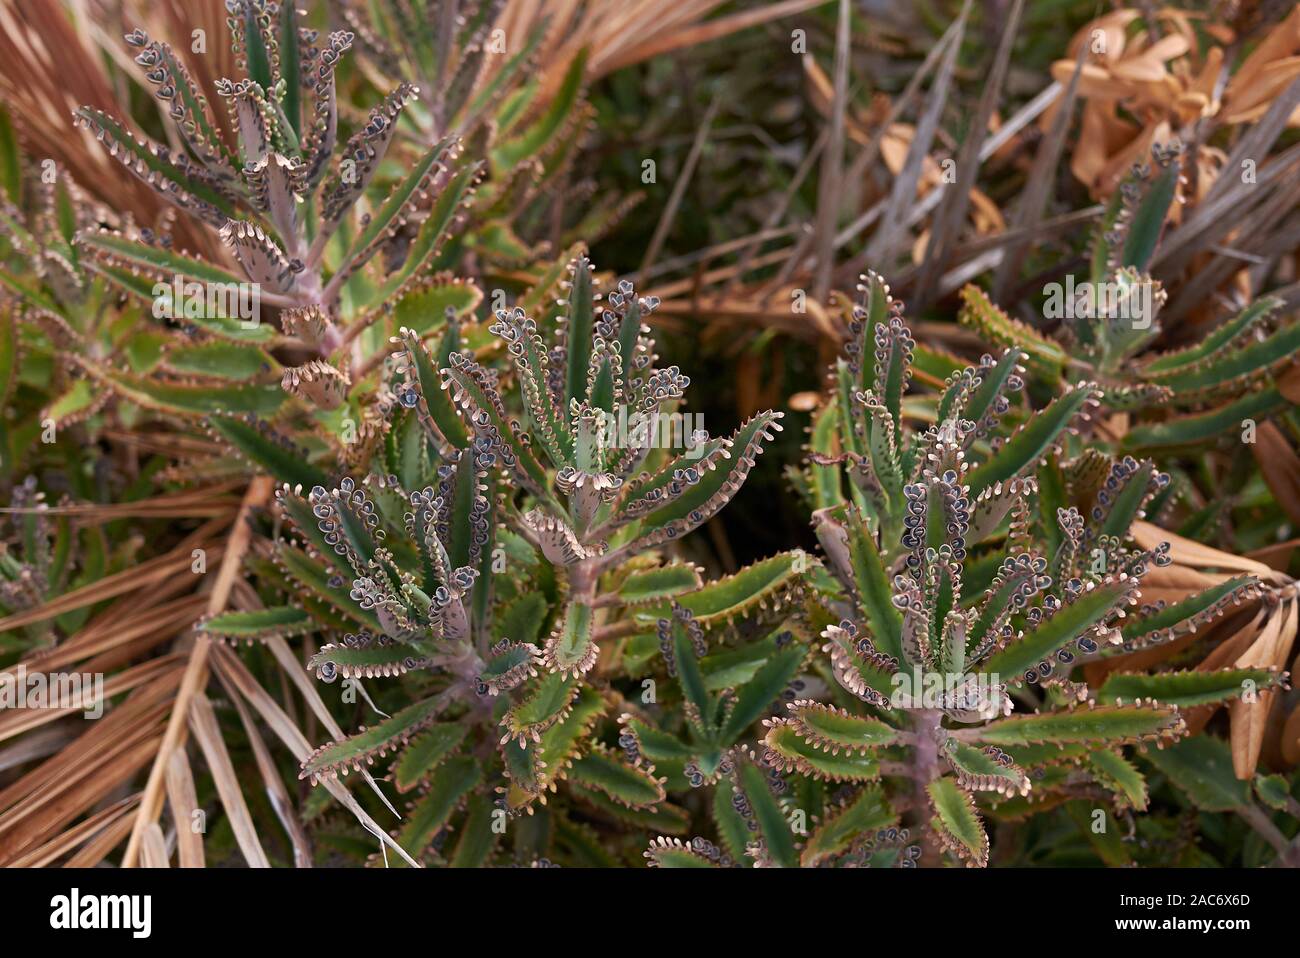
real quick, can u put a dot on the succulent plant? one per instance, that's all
(447, 562)
(288, 205)
(440, 47)
(376, 573)
(499, 83)
(977, 573)
(1110, 320)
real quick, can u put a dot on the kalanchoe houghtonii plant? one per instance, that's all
(50, 306)
(970, 596)
(596, 408)
(287, 202)
(454, 50)
(1109, 322)
(491, 582)
(34, 565)
(524, 114)
(420, 586)
(71, 325)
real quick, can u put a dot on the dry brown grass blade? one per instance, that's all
(183, 800)
(82, 832)
(771, 230)
(1260, 138)
(97, 849)
(1042, 175)
(48, 68)
(207, 733)
(197, 504)
(620, 33)
(1249, 718)
(828, 186)
(18, 720)
(1262, 237)
(888, 236)
(140, 716)
(164, 567)
(40, 744)
(108, 641)
(165, 443)
(1215, 218)
(276, 793)
(753, 314)
(1280, 466)
(289, 733)
(679, 189)
(656, 42)
(951, 215)
(123, 652)
(866, 156)
(153, 850)
(98, 775)
(695, 285)
(196, 672)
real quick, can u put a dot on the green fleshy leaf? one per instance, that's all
(1067, 624)
(1189, 613)
(754, 697)
(477, 837)
(1186, 689)
(664, 582)
(1148, 220)
(1027, 446)
(399, 205)
(221, 360)
(867, 812)
(522, 619)
(286, 465)
(1103, 724)
(276, 622)
(1221, 337)
(188, 400)
(1185, 431)
(724, 599)
(432, 394)
(778, 837)
(509, 154)
(1273, 791)
(663, 854)
(356, 751)
(620, 781)
(829, 727)
(451, 782)
(1201, 766)
(798, 754)
(425, 752)
(1120, 776)
(957, 822)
